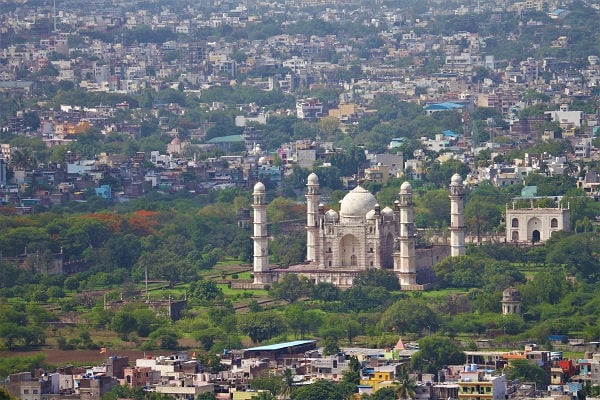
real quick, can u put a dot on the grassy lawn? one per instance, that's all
(240, 293)
(443, 293)
(243, 275)
(232, 262)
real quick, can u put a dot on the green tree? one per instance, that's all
(433, 208)
(579, 253)
(206, 396)
(352, 374)
(385, 393)
(330, 346)
(4, 395)
(166, 338)
(405, 386)
(365, 298)
(287, 383)
(31, 120)
(409, 315)
(264, 395)
(325, 291)
(525, 371)
(379, 278)
(440, 173)
(546, 287)
(205, 290)
(261, 326)
(435, 352)
(301, 320)
(319, 390)
(272, 384)
(291, 287)
(123, 323)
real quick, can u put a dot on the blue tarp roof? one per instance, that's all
(450, 133)
(444, 106)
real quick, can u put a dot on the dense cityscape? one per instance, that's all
(299, 199)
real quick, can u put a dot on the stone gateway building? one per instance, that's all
(362, 235)
(535, 224)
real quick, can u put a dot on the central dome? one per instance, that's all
(357, 203)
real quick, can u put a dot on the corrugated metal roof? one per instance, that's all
(280, 346)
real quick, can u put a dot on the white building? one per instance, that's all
(362, 235)
(566, 118)
(535, 225)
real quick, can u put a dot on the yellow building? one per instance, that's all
(81, 127)
(382, 377)
(346, 112)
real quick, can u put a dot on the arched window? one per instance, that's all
(515, 236)
(553, 223)
(515, 223)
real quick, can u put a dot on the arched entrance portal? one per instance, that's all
(534, 229)
(350, 248)
(535, 236)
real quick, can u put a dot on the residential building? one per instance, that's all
(479, 385)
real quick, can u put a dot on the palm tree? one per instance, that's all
(287, 383)
(405, 386)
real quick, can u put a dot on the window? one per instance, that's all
(515, 223)
(553, 223)
(35, 391)
(25, 391)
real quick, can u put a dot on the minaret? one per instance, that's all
(312, 218)
(404, 258)
(261, 236)
(457, 216)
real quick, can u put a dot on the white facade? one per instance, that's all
(260, 237)
(566, 118)
(457, 216)
(361, 236)
(535, 225)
